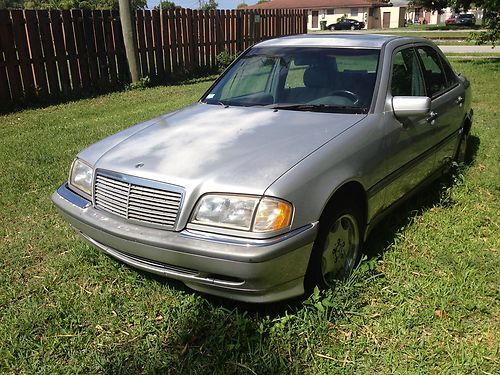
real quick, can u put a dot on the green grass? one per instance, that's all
(427, 34)
(455, 38)
(475, 55)
(441, 37)
(443, 27)
(447, 42)
(425, 301)
(455, 35)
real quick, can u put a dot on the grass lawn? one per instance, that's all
(427, 34)
(475, 55)
(425, 300)
(441, 37)
(458, 38)
(455, 35)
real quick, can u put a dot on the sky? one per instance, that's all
(193, 4)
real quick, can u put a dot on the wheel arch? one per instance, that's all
(467, 124)
(349, 191)
(460, 154)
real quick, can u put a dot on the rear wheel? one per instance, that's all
(332, 28)
(461, 153)
(337, 248)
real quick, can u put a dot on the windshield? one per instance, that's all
(300, 78)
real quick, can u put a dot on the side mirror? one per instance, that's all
(406, 106)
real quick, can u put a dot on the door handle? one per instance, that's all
(460, 101)
(432, 118)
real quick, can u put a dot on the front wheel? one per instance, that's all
(337, 248)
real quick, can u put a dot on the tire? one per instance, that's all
(332, 28)
(353, 27)
(337, 248)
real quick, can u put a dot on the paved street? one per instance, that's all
(469, 49)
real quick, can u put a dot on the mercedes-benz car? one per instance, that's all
(270, 184)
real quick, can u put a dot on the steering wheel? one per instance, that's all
(346, 94)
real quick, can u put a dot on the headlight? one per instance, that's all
(229, 211)
(243, 212)
(81, 176)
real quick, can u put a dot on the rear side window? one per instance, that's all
(451, 78)
(434, 75)
(406, 77)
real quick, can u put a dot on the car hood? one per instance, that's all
(239, 149)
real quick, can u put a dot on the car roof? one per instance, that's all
(332, 40)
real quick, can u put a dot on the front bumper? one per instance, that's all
(242, 269)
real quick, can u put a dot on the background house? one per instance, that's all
(330, 11)
(419, 15)
(422, 16)
(393, 16)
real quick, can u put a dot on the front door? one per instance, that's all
(386, 23)
(408, 148)
(315, 14)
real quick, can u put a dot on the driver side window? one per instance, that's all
(406, 78)
(252, 78)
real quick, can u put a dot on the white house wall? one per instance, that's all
(337, 13)
(397, 15)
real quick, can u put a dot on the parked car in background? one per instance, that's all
(347, 24)
(452, 20)
(271, 183)
(461, 20)
(466, 19)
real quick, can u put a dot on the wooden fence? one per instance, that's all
(64, 53)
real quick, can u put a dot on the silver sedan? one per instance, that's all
(270, 184)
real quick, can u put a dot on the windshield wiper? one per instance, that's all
(319, 108)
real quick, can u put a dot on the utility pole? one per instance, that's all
(129, 39)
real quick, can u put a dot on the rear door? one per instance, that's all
(447, 98)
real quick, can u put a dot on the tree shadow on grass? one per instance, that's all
(95, 92)
(216, 335)
(207, 335)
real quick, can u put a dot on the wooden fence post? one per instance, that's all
(129, 39)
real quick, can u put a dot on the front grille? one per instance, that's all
(137, 202)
